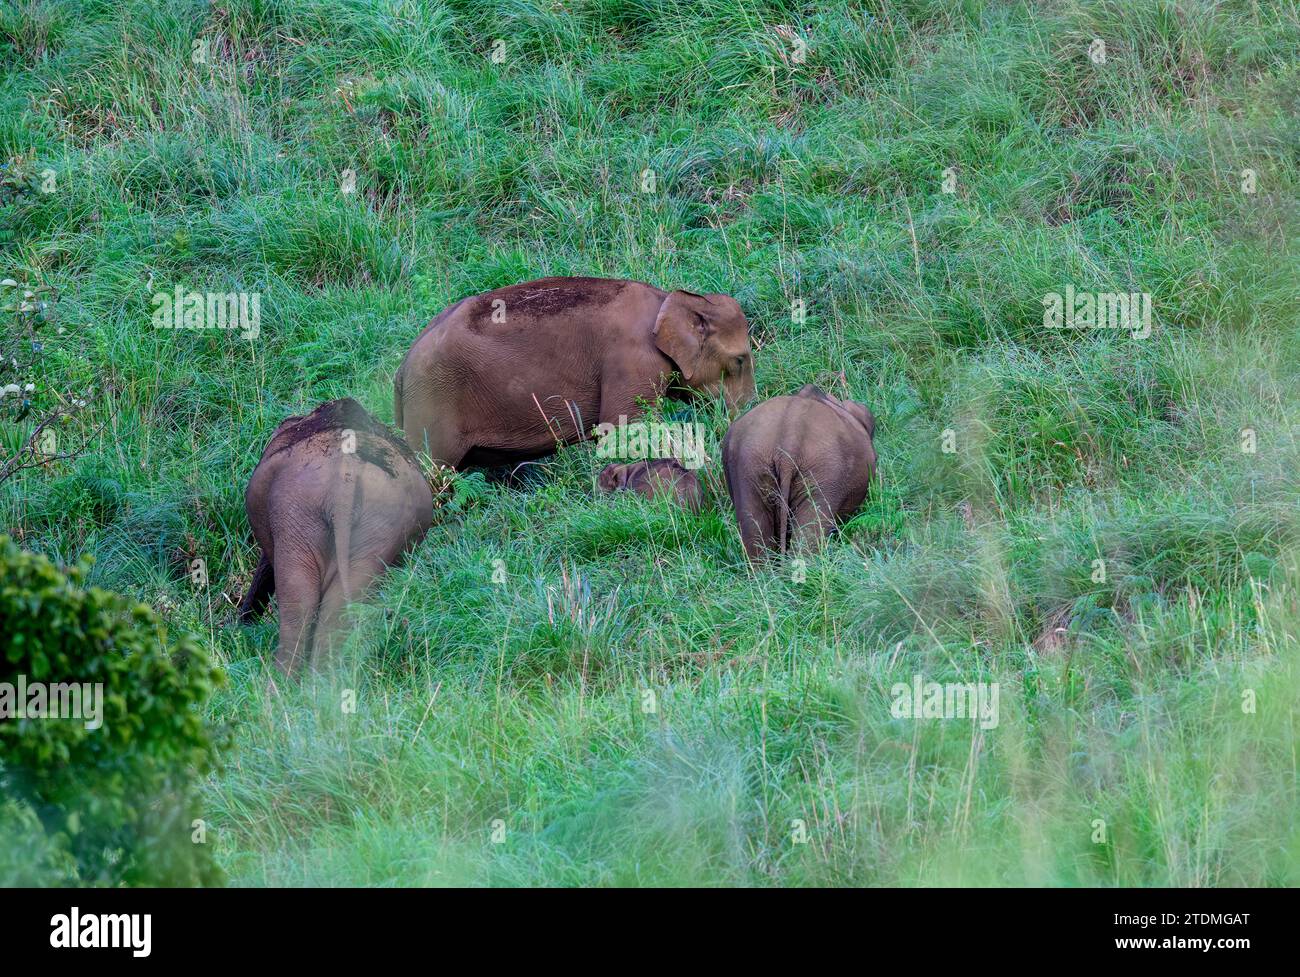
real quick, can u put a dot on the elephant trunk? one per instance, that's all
(259, 591)
(738, 391)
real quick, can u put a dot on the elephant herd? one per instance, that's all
(506, 377)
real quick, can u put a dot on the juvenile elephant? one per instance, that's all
(658, 476)
(794, 465)
(508, 375)
(335, 500)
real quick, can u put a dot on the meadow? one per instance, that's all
(560, 688)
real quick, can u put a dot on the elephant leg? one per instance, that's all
(619, 396)
(434, 432)
(362, 573)
(298, 591)
(329, 624)
(811, 518)
(755, 518)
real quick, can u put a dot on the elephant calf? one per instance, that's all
(335, 500)
(659, 476)
(795, 465)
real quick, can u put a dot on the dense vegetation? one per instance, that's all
(628, 702)
(98, 781)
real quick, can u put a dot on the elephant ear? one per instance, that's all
(863, 415)
(813, 392)
(680, 330)
(282, 435)
(859, 412)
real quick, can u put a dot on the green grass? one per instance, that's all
(776, 179)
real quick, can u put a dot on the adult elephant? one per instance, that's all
(508, 375)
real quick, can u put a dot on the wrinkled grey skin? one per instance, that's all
(658, 476)
(329, 521)
(795, 466)
(506, 376)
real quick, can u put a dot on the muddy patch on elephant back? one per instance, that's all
(376, 444)
(544, 298)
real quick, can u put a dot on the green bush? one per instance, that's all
(107, 798)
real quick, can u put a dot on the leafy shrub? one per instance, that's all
(111, 804)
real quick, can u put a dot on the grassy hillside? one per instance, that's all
(630, 703)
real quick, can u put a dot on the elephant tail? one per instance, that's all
(783, 506)
(350, 484)
(259, 591)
